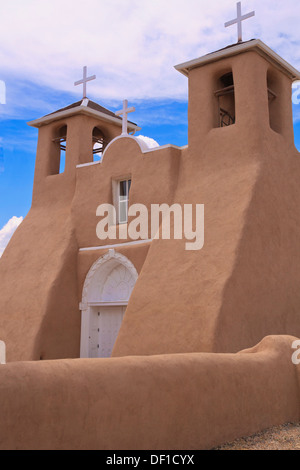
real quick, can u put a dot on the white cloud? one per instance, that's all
(296, 114)
(7, 232)
(131, 47)
(2, 92)
(150, 143)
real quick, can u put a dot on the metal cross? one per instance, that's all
(84, 81)
(239, 20)
(125, 111)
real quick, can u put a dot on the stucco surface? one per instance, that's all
(184, 401)
(240, 287)
(33, 306)
(244, 283)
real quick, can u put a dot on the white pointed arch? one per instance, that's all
(97, 280)
(109, 282)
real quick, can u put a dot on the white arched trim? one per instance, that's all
(143, 147)
(141, 144)
(111, 260)
(109, 282)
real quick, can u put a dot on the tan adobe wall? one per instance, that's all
(185, 401)
(42, 270)
(153, 174)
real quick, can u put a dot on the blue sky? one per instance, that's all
(132, 47)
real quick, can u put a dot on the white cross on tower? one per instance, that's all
(84, 81)
(239, 20)
(125, 111)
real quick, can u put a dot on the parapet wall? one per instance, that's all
(179, 402)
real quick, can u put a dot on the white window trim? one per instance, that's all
(116, 197)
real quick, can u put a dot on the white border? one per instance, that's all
(117, 245)
(143, 147)
(89, 164)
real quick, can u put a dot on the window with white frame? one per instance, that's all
(123, 200)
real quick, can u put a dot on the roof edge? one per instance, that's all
(80, 110)
(255, 44)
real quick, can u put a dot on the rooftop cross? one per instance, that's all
(239, 20)
(125, 111)
(84, 81)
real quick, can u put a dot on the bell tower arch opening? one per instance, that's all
(106, 292)
(226, 100)
(274, 101)
(99, 144)
(59, 155)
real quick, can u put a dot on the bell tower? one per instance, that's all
(245, 85)
(71, 136)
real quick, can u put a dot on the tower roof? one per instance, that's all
(253, 45)
(84, 106)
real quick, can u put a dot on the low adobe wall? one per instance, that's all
(181, 401)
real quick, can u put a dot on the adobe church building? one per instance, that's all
(58, 280)
(168, 316)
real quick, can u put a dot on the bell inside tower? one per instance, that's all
(226, 100)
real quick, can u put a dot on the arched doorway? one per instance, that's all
(107, 289)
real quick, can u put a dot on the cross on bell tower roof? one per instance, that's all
(84, 80)
(239, 20)
(124, 113)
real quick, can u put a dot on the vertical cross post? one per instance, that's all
(240, 18)
(84, 81)
(124, 112)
